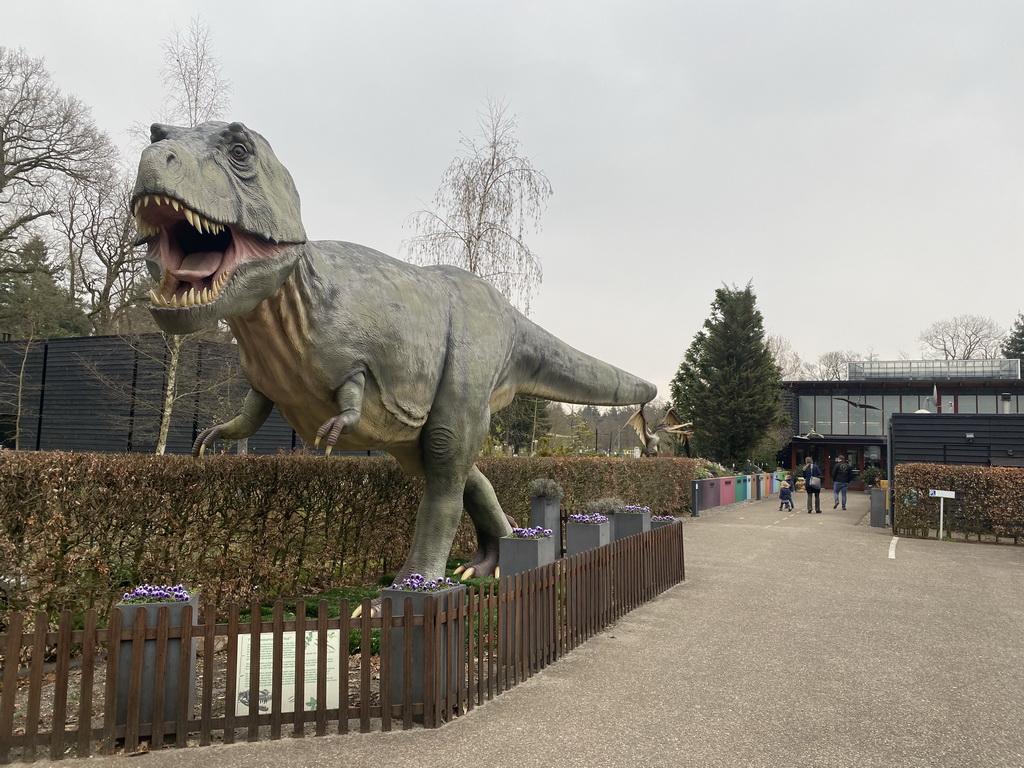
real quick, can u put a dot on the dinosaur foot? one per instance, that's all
(480, 567)
(374, 609)
(332, 429)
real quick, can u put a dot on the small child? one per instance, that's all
(785, 497)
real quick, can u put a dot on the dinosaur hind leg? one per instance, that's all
(448, 447)
(490, 522)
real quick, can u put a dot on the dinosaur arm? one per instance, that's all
(349, 399)
(255, 411)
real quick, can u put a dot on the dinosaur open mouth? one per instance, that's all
(197, 256)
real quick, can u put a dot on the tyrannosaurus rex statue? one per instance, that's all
(354, 348)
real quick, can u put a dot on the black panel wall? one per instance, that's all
(985, 440)
(106, 394)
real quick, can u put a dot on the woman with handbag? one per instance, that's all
(812, 484)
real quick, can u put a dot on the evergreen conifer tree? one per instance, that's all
(728, 384)
(1013, 344)
(32, 304)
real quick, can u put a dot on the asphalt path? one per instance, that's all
(797, 640)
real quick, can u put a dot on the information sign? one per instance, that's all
(266, 652)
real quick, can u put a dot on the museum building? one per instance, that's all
(852, 418)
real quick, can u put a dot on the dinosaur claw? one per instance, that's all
(357, 612)
(202, 449)
(468, 574)
(497, 572)
(328, 451)
(459, 570)
(316, 443)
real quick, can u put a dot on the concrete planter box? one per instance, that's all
(172, 666)
(521, 555)
(660, 523)
(547, 513)
(450, 634)
(626, 524)
(580, 537)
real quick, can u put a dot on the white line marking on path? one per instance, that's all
(892, 547)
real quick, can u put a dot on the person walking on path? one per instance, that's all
(812, 484)
(842, 475)
(785, 497)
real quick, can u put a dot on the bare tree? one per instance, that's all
(964, 337)
(104, 265)
(489, 197)
(196, 90)
(831, 366)
(45, 137)
(16, 389)
(786, 357)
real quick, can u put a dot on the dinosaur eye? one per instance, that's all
(239, 152)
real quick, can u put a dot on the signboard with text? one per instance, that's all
(266, 654)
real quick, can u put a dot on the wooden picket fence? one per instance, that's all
(50, 704)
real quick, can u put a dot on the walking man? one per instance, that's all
(842, 474)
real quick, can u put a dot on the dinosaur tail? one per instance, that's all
(550, 368)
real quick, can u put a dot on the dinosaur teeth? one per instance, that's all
(190, 298)
(199, 222)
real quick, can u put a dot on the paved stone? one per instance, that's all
(796, 640)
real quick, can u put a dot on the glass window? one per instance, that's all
(857, 416)
(822, 414)
(840, 417)
(806, 413)
(890, 405)
(967, 404)
(873, 416)
(913, 403)
(987, 404)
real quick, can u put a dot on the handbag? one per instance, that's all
(814, 482)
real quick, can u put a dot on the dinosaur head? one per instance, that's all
(220, 216)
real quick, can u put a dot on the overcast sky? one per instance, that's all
(859, 162)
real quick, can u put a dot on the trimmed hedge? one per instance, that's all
(77, 529)
(990, 503)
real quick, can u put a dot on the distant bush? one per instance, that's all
(989, 503)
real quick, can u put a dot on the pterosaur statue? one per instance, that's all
(356, 349)
(651, 438)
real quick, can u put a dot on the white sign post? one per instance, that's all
(942, 496)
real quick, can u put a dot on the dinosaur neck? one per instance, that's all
(275, 338)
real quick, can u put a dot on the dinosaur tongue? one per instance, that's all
(196, 266)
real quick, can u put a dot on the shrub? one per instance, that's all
(990, 500)
(77, 530)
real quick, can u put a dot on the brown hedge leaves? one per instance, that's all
(76, 530)
(990, 500)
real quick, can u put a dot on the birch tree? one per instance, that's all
(490, 198)
(196, 93)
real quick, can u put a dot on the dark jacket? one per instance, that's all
(842, 473)
(812, 471)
